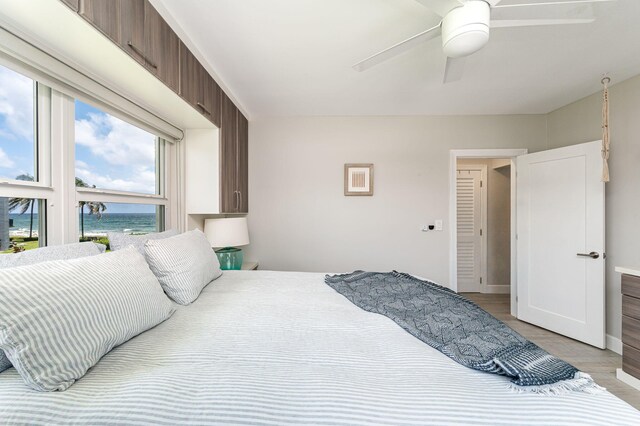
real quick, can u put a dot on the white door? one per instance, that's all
(469, 220)
(560, 241)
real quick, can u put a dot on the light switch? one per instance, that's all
(438, 224)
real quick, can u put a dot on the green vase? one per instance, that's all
(230, 258)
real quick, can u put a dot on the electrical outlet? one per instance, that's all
(438, 225)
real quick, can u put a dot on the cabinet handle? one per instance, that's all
(204, 108)
(237, 199)
(142, 55)
(240, 193)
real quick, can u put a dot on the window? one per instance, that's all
(21, 224)
(118, 169)
(113, 154)
(18, 145)
(97, 218)
(116, 162)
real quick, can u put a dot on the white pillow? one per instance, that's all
(43, 254)
(58, 318)
(120, 240)
(184, 264)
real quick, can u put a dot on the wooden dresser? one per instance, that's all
(630, 327)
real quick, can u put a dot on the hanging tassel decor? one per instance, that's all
(605, 129)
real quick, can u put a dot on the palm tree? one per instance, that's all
(94, 207)
(24, 204)
(82, 184)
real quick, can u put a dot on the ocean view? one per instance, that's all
(118, 222)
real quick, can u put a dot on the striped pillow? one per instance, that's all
(43, 254)
(120, 240)
(184, 265)
(57, 319)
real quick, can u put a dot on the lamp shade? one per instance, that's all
(227, 232)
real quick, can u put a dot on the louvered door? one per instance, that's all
(469, 230)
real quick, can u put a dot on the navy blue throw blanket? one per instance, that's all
(461, 330)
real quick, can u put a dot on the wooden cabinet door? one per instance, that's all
(229, 197)
(211, 97)
(242, 169)
(104, 15)
(161, 48)
(190, 78)
(132, 29)
(73, 4)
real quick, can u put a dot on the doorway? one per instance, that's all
(483, 191)
(557, 237)
(490, 262)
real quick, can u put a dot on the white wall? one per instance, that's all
(300, 219)
(581, 122)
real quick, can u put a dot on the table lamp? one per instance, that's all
(227, 234)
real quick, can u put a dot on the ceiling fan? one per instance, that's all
(465, 28)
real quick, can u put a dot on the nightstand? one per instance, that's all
(249, 266)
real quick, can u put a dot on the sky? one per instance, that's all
(110, 153)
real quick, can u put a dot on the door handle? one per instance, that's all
(593, 254)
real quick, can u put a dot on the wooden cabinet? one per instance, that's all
(137, 27)
(229, 196)
(104, 15)
(132, 28)
(147, 38)
(234, 150)
(242, 167)
(631, 324)
(197, 87)
(161, 48)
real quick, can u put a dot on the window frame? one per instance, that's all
(40, 190)
(54, 122)
(103, 195)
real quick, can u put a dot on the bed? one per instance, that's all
(261, 347)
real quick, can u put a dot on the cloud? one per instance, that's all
(5, 161)
(115, 141)
(16, 105)
(142, 179)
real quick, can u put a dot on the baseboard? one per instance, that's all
(614, 344)
(496, 289)
(627, 378)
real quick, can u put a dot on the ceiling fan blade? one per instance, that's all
(509, 23)
(454, 69)
(398, 48)
(441, 7)
(550, 3)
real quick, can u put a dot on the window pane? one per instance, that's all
(96, 219)
(21, 224)
(17, 123)
(113, 154)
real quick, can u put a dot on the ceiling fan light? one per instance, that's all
(466, 42)
(465, 30)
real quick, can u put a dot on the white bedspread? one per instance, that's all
(263, 347)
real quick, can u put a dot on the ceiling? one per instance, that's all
(294, 57)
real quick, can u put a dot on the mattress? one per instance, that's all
(262, 347)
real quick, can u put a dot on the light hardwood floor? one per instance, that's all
(600, 364)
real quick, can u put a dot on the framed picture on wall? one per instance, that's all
(358, 179)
